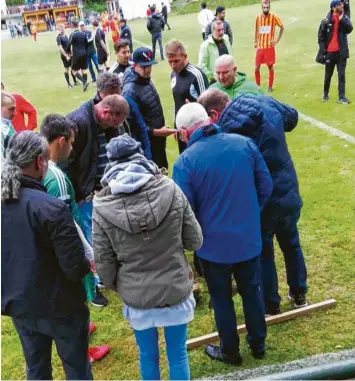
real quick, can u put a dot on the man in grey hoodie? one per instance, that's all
(155, 25)
(142, 222)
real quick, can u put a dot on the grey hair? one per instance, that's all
(24, 147)
(108, 81)
(216, 23)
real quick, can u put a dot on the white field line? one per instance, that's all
(316, 123)
(325, 127)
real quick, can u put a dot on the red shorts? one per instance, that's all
(265, 56)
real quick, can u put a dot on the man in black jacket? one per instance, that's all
(97, 124)
(125, 33)
(164, 12)
(155, 24)
(220, 15)
(41, 287)
(137, 84)
(333, 47)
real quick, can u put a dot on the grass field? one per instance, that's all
(325, 169)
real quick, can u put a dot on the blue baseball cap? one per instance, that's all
(143, 57)
(334, 3)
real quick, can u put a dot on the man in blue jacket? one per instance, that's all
(214, 169)
(265, 121)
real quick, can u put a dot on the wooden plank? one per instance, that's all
(289, 315)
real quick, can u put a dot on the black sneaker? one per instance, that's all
(85, 86)
(272, 310)
(299, 300)
(258, 355)
(325, 98)
(215, 353)
(344, 101)
(100, 300)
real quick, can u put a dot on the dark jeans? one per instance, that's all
(285, 229)
(218, 277)
(71, 337)
(93, 57)
(332, 60)
(158, 146)
(157, 37)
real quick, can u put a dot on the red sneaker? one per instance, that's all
(91, 327)
(97, 353)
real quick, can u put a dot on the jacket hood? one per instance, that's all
(156, 16)
(130, 75)
(240, 78)
(243, 115)
(139, 212)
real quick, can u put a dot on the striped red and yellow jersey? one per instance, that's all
(265, 28)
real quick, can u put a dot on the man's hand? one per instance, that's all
(273, 43)
(255, 45)
(164, 131)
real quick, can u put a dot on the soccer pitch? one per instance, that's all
(324, 164)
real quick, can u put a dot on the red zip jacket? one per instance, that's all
(24, 107)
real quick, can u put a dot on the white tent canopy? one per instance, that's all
(134, 9)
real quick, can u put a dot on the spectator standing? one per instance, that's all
(138, 243)
(47, 302)
(232, 82)
(334, 49)
(230, 165)
(126, 33)
(111, 84)
(215, 46)
(164, 12)
(103, 52)
(8, 110)
(138, 85)
(188, 82)
(155, 24)
(12, 30)
(149, 12)
(205, 17)
(221, 15)
(123, 54)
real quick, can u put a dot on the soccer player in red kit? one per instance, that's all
(265, 42)
(114, 29)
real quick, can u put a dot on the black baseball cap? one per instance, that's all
(220, 9)
(144, 57)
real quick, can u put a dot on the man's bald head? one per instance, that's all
(191, 117)
(226, 70)
(8, 105)
(214, 101)
(112, 111)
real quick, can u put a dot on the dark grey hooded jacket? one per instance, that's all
(139, 240)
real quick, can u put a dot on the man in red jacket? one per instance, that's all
(23, 107)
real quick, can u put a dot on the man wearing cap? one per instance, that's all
(138, 85)
(220, 15)
(92, 56)
(333, 48)
(215, 46)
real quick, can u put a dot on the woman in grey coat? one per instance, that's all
(142, 223)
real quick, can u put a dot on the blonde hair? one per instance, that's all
(174, 47)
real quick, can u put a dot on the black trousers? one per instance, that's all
(332, 60)
(71, 337)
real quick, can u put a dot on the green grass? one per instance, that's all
(324, 164)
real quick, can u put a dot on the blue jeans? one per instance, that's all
(71, 337)
(157, 37)
(218, 277)
(175, 338)
(285, 229)
(93, 57)
(86, 217)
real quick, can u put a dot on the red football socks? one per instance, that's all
(257, 77)
(271, 78)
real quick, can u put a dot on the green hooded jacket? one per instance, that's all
(241, 85)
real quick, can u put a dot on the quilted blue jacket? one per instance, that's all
(265, 121)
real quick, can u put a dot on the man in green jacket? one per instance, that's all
(215, 46)
(232, 82)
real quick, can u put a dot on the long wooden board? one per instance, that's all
(212, 337)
